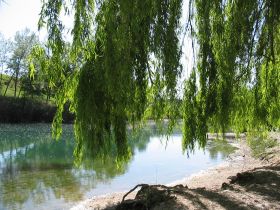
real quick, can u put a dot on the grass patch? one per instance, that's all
(3, 86)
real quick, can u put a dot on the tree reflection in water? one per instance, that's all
(35, 168)
(219, 147)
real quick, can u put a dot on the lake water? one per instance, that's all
(37, 172)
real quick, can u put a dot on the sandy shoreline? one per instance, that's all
(212, 178)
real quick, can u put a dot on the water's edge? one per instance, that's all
(234, 157)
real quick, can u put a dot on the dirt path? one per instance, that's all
(254, 184)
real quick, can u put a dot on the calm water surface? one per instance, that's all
(37, 172)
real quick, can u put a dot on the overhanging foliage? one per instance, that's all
(125, 62)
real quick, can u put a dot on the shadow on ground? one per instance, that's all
(255, 189)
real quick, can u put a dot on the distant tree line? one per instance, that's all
(25, 97)
(15, 79)
(28, 110)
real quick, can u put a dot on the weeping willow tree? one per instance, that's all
(237, 67)
(125, 62)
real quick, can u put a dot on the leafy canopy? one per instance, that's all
(125, 63)
(238, 69)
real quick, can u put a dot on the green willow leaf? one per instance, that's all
(123, 66)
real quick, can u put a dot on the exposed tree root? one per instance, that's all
(149, 196)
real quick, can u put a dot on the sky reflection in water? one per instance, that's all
(37, 172)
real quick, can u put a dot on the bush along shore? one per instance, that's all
(27, 110)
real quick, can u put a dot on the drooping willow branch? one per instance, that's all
(111, 82)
